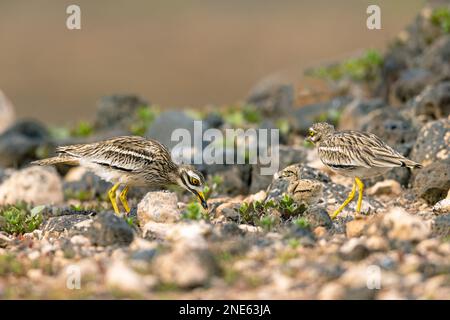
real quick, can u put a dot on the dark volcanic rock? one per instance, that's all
(64, 223)
(433, 103)
(354, 115)
(441, 226)
(118, 111)
(272, 98)
(433, 143)
(411, 83)
(437, 57)
(167, 122)
(302, 118)
(318, 216)
(109, 229)
(20, 143)
(398, 132)
(433, 181)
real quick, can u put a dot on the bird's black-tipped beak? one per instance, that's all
(202, 199)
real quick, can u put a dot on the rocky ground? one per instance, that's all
(264, 237)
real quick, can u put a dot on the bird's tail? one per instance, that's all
(63, 159)
(411, 164)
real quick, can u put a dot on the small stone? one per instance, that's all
(355, 228)
(158, 206)
(4, 240)
(61, 224)
(36, 185)
(120, 276)
(332, 291)
(403, 226)
(186, 268)
(377, 243)
(354, 249)
(318, 217)
(229, 210)
(442, 206)
(22, 142)
(388, 187)
(320, 232)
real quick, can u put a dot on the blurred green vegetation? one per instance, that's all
(441, 18)
(20, 218)
(144, 116)
(363, 68)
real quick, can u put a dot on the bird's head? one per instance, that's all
(318, 131)
(192, 180)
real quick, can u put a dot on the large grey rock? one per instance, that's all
(433, 143)
(411, 82)
(436, 58)
(433, 103)
(167, 122)
(273, 98)
(432, 182)
(303, 117)
(355, 115)
(118, 111)
(36, 185)
(19, 143)
(108, 229)
(398, 132)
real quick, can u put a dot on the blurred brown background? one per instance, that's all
(175, 53)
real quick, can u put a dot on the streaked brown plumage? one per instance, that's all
(355, 154)
(130, 161)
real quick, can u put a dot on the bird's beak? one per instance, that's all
(202, 199)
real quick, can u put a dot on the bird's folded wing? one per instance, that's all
(117, 153)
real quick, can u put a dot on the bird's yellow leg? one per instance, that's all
(123, 199)
(112, 197)
(350, 197)
(360, 195)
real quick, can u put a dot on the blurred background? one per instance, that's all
(181, 53)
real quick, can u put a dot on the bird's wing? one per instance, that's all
(127, 153)
(354, 148)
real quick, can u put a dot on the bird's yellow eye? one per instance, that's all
(195, 182)
(311, 133)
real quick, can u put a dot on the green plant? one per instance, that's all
(363, 68)
(144, 118)
(441, 18)
(267, 222)
(332, 116)
(251, 114)
(194, 211)
(10, 265)
(301, 222)
(83, 129)
(283, 126)
(80, 195)
(20, 218)
(289, 207)
(132, 221)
